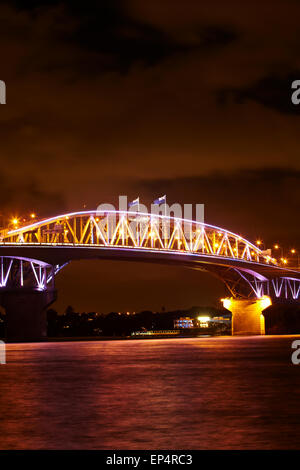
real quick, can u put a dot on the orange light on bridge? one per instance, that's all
(33, 216)
(276, 246)
(258, 242)
(15, 221)
(226, 303)
(265, 302)
(296, 253)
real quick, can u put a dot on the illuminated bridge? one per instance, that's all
(32, 255)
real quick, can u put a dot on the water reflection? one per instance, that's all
(198, 393)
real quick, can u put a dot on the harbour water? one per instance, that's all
(193, 393)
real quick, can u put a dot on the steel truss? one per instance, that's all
(136, 230)
(24, 273)
(249, 284)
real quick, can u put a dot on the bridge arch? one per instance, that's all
(129, 235)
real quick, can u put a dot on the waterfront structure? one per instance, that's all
(184, 322)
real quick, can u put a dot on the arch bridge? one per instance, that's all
(32, 255)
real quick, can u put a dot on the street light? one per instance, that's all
(277, 247)
(295, 252)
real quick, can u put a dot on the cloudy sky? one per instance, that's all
(189, 99)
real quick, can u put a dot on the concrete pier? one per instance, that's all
(247, 317)
(26, 314)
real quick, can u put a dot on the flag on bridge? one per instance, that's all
(161, 200)
(136, 202)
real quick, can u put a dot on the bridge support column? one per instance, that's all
(26, 314)
(247, 317)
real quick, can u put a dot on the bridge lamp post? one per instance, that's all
(295, 252)
(15, 222)
(260, 244)
(277, 247)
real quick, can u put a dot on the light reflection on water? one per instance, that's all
(193, 393)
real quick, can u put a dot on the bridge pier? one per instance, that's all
(247, 317)
(283, 317)
(26, 313)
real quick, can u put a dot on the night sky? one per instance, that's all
(189, 99)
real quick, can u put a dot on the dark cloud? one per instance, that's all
(273, 92)
(19, 197)
(118, 41)
(253, 202)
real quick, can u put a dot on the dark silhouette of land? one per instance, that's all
(119, 324)
(279, 319)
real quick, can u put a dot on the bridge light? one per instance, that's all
(33, 216)
(15, 221)
(258, 242)
(265, 302)
(293, 251)
(226, 303)
(276, 246)
(216, 245)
